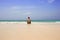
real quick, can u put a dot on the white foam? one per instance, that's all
(57, 22)
(11, 22)
(25, 22)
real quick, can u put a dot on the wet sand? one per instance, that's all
(34, 31)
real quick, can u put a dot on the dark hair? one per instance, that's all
(28, 17)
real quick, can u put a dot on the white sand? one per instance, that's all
(34, 31)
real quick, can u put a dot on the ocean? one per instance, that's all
(31, 20)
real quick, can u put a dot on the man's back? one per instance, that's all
(28, 20)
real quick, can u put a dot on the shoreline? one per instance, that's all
(31, 22)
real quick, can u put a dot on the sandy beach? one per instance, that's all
(34, 31)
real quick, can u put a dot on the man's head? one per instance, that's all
(28, 17)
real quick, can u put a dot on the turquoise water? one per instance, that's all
(32, 20)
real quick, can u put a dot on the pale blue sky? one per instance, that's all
(36, 9)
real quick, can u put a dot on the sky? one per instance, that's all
(36, 9)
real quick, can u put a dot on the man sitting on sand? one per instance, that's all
(28, 20)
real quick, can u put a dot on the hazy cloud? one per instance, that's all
(51, 1)
(25, 10)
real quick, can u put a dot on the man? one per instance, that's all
(28, 20)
